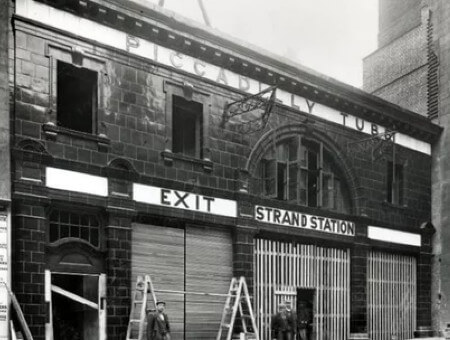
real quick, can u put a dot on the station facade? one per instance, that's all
(126, 162)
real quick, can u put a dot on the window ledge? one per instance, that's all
(170, 156)
(51, 131)
(394, 205)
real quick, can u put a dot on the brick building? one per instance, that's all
(125, 161)
(410, 68)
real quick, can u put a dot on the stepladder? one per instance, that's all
(139, 307)
(238, 306)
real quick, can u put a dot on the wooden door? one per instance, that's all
(159, 252)
(392, 289)
(281, 268)
(209, 261)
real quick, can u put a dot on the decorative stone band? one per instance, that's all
(394, 236)
(76, 181)
(184, 200)
(143, 48)
(305, 221)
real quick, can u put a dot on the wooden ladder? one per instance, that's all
(237, 294)
(139, 308)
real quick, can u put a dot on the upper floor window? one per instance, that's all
(76, 97)
(187, 127)
(65, 224)
(300, 171)
(395, 183)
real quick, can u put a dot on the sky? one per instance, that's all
(329, 36)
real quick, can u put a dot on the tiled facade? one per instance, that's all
(132, 140)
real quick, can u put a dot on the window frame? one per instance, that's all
(393, 186)
(189, 93)
(77, 57)
(68, 240)
(304, 170)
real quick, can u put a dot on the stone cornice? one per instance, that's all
(169, 30)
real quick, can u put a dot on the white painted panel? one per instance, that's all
(76, 181)
(394, 236)
(184, 200)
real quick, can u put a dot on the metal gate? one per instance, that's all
(391, 296)
(281, 268)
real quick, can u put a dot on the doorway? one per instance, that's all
(306, 311)
(77, 306)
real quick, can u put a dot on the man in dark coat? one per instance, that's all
(158, 327)
(305, 319)
(292, 316)
(282, 325)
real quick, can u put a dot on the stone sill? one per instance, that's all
(395, 206)
(170, 156)
(51, 131)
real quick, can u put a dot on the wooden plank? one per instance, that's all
(48, 300)
(206, 274)
(74, 297)
(158, 251)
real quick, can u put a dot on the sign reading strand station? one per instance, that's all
(184, 200)
(300, 220)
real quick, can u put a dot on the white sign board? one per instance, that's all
(184, 200)
(305, 221)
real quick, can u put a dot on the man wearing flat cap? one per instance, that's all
(158, 327)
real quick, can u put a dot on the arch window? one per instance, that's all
(66, 224)
(301, 171)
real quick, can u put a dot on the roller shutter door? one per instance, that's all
(159, 251)
(208, 269)
(197, 259)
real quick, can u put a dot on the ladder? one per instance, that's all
(237, 295)
(136, 325)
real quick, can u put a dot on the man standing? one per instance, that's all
(292, 317)
(158, 327)
(304, 320)
(281, 325)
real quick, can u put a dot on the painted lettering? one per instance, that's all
(244, 83)
(222, 77)
(131, 42)
(259, 213)
(304, 221)
(286, 218)
(360, 124)
(276, 216)
(208, 202)
(344, 116)
(295, 106)
(310, 105)
(268, 210)
(176, 59)
(181, 198)
(296, 220)
(197, 65)
(374, 129)
(313, 222)
(327, 225)
(164, 193)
